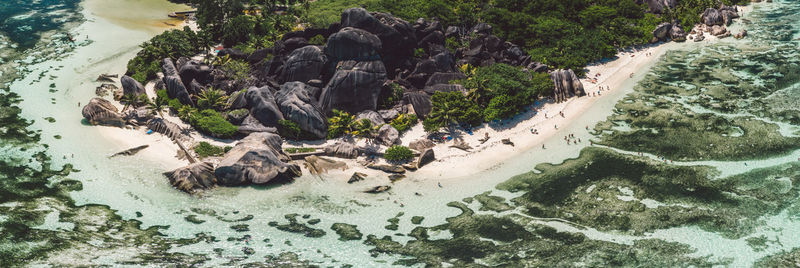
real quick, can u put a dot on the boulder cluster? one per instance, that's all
(715, 21)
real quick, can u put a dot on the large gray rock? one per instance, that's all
(251, 125)
(567, 85)
(256, 159)
(353, 44)
(661, 32)
(176, 90)
(677, 34)
(131, 87)
(354, 87)
(444, 78)
(193, 70)
(728, 15)
(263, 106)
(421, 145)
(396, 35)
(342, 150)
(193, 178)
(168, 66)
(101, 112)
(420, 101)
(169, 129)
(372, 116)
(425, 158)
(388, 135)
(304, 64)
(296, 103)
(712, 17)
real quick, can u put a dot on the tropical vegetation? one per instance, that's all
(398, 153)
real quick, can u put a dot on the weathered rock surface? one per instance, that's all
(192, 178)
(357, 176)
(168, 66)
(251, 125)
(256, 159)
(712, 17)
(304, 64)
(658, 6)
(320, 165)
(354, 87)
(677, 34)
(101, 112)
(176, 90)
(342, 150)
(741, 34)
(169, 129)
(420, 102)
(375, 118)
(193, 70)
(388, 135)
(263, 106)
(425, 158)
(387, 168)
(353, 44)
(421, 145)
(397, 37)
(567, 85)
(131, 87)
(389, 114)
(296, 103)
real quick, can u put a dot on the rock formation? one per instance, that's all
(567, 85)
(304, 64)
(354, 87)
(256, 159)
(342, 150)
(263, 106)
(131, 87)
(295, 102)
(192, 178)
(101, 112)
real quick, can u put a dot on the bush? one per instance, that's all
(237, 69)
(451, 108)
(205, 149)
(398, 153)
(391, 97)
(317, 40)
(404, 122)
(237, 30)
(212, 123)
(289, 129)
(503, 90)
(339, 124)
(170, 44)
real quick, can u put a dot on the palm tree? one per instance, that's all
(130, 100)
(212, 99)
(158, 105)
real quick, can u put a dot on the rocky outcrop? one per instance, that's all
(101, 112)
(354, 87)
(677, 34)
(193, 70)
(342, 150)
(131, 87)
(263, 106)
(421, 145)
(353, 44)
(169, 129)
(168, 66)
(375, 118)
(320, 165)
(567, 85)
(420, 102)
(297, 105)
(741, 34)
(712, 17)
(304, 64)
(425, 158)
(658, 6)
(251, 125)
(138, 116)
(387, 168)
(389, 114)
(193, 178)
(256, 159)
(661, 32)
(397, 37)
(388, 135)
(176, 90)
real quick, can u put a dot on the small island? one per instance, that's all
(259, 93)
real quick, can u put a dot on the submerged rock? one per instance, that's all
(378, 189)
(357, 176)
(346, 232)
(192, 178)
(101, 112)
(256, 159)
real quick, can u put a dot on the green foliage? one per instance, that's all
(404, 122)
(212, 123)
(299, 150)
(363, 129)
(237, 69)
(212, 99)
(503, 90)
(391, 97)
(237, 30)
(317, 40)
(419, 53)
(170, 44)
(289, 129)
(451, 108)
(398, 153)
(339, 123)
(205, 149)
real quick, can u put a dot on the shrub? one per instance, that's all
(170, 44)
(339, 124)
(237, 69)
(237, 30)
(451, 108)
(398, 153)
(205, 149)
(503, 90)
(212, 123)
(391, 96)
(404, 122)
(317, 40)
(289, 129)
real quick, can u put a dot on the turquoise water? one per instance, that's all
(725, 114)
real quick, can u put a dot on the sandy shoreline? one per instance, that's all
(451, 162)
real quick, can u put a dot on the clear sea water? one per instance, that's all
(63, 202)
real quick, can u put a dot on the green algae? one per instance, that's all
(193, 219)
(492, 203)
(417, 219)
(346, 232)
(784, 259)
(296, 227)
